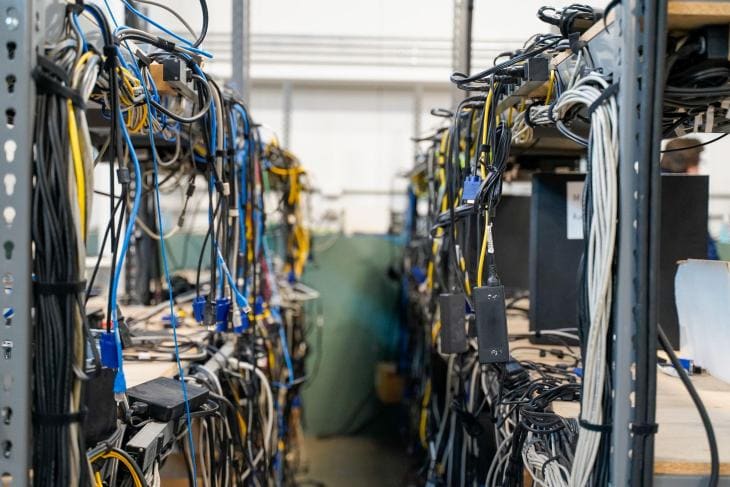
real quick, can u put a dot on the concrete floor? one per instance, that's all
(355, 461)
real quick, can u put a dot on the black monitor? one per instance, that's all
(556, 245)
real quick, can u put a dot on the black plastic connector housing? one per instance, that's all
(453, 323)
(537, 69)
(716, 43)
(491, 316)
(165, 399)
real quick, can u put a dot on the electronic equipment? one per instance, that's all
(511, 235)
(150, 441)
(453, 324)
(164, 398)
(101, 409)
(683, 236)
(491, 324)
(556, 246)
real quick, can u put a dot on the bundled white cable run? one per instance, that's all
(603, 154)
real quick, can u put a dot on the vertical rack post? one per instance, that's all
(642, 40)
(461, 43)
(240, 51)
(19, 30)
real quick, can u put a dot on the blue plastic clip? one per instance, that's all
(418, 275)
(471, 188)
(240, 322)
(199, 308)
(222, 308)
(108, 346)
(258, 307)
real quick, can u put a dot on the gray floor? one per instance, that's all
(355, 461)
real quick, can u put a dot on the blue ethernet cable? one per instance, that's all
(120, 384)
(165, 265)
(188, 45)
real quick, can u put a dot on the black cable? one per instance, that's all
(107, 232)
(204, 29)
(696, 145)
(697, 400)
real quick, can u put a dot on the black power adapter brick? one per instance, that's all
(491, 324)
(164, 397)
(453, 323)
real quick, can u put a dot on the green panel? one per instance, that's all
(183, 251)
(723, 251)
(360, 327)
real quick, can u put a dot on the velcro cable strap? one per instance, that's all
(59, 288)
(551, 114)
(58, 420)
(528, 121)
(607, 93)
(576, 44)
(598, 428)
(644, 429)
(52, 80)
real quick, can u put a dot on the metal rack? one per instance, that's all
(642, 38)
(640, 43)
(19, 33)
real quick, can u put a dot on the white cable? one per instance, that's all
(269, 424)
(603, 156)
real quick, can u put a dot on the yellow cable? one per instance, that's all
(84, 58)
(485, 130)
(422, 429)
(550, 87)
(483, 252)
(435, 331)
(467, 285)
(116, 456)
(97, 477)
(78, 165)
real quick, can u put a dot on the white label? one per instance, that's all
(574, 206)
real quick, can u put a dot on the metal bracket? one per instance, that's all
(19, 30)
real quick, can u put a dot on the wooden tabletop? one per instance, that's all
(680, 446)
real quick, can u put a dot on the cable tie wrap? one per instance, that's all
(58, 420)
(528, 120)
(59, 288)
(598, 428)
(611, 90)
(50, 79)
(551, 113)
(644, 429)
(576, 44)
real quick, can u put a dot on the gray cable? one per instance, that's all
(170, 10)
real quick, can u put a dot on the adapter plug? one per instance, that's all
(453, 326)
(491, 320)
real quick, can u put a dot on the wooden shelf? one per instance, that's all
(690, 14)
